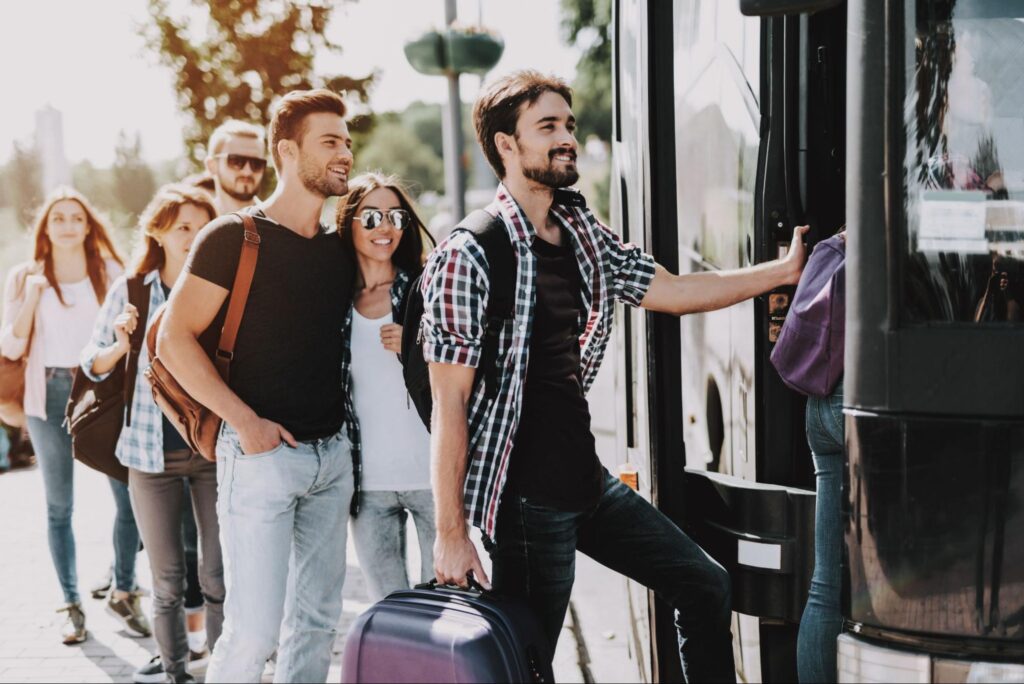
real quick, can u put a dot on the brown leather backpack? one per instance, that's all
(198, 425)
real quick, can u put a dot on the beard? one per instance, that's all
(551, 177)
(232, 191)
(320, 181)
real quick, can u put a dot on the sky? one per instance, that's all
(88, 60)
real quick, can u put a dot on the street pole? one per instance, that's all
(454, 174)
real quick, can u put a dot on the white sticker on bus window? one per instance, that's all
(759, 555)
(952, 221)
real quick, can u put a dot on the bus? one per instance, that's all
(903, 120)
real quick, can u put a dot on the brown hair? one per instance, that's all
(230, 129)
(411, 251)
(158, 217)
(288, 120)
(497, 109)
(98, 246)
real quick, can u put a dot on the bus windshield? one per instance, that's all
(964, 162)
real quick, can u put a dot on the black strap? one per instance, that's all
(138, 296)
(501, 264)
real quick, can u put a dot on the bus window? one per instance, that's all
(964, 162)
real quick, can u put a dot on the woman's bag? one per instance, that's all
(12, 390)
(198, 425)
(809, 352)
(97, 411)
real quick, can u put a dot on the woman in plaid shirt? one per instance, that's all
(523, 468)
(158, 459)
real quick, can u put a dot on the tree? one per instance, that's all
(587, 24)
(394, 148)
(24, 182)
(251, 52)
(134, 183)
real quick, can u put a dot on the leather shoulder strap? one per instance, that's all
(239, 295)
(138, 296)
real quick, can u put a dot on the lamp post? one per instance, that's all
(454, 172)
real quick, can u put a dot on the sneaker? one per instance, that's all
(198, 660)
(102, 587)
(129, 612)
(73, 631)
(150, 673)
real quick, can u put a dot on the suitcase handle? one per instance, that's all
(473, 585)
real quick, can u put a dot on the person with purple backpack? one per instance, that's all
(809, 358)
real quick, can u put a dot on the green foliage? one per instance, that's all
(134, 183)
(250, 52)
(587, 24)
(395, 148)
(24, 182)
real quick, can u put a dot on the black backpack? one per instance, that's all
(493, 239)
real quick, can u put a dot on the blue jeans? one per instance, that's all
(283, 527)
(534, 557)
(379, 535)
(822, 620)
(52, 445)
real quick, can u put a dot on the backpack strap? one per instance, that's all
(239, 295)
(492, 237)
(138, 296)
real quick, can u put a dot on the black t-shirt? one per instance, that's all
(554, 460)
(173, 441)
(287, 362)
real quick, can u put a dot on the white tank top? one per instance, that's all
(66, 329)
(396, 445)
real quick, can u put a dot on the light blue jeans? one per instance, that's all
(52, 445)
(283, 528)
(379, 535)
(822, 620)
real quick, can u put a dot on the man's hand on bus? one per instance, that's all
(454, 557)
(796, 257)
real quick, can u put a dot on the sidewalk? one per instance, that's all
(30, 647)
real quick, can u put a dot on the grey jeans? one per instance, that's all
(379, 535)
(157, 499)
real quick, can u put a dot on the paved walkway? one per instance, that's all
(30, 647)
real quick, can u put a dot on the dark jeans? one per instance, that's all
(535, 558)
(822, 620)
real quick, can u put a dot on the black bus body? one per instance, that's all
(904, 120)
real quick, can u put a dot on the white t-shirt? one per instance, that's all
(66, 329)
(396, 445)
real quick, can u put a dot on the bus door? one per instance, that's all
(760, 148)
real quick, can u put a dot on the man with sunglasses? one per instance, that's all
(236, 159)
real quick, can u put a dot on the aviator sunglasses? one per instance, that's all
(371, 218)
(237, 162)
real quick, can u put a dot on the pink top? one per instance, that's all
(80, 313)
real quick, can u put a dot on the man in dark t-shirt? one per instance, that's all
(285, 470)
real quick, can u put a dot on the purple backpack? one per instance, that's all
(809, 352)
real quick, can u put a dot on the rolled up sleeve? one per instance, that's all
(455, 290)
(632, 269)
(103, 331)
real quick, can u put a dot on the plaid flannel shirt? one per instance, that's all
(455, 290)
(398, 290)
(141, 445)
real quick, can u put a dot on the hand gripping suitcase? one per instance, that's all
(442, 634)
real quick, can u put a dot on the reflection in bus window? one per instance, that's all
(964, 122)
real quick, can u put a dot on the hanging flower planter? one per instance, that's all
(462, 50)
(426, 54)
(473, 50)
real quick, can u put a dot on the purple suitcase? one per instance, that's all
(442, 634)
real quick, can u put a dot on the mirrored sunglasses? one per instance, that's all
(372, 218)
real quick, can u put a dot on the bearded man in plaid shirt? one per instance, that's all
(523, 467)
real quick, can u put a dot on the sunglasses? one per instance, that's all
(237, 162)
(371, 218)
